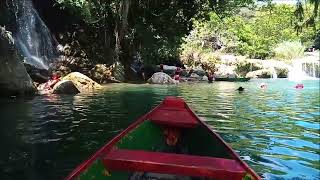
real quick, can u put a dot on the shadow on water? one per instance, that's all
(275, 130)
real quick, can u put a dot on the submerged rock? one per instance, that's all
(82, 82)
(65, 87)
(14, 79)
(161, 78)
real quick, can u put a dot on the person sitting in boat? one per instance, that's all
(299, 86)
(172, 136)
(177, 74)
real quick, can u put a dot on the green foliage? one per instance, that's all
(307, 15)
(78, 7)
(250, 33)
(195, 57)
(317, 40)
(289, 50)
(229, 8)
(152, 28)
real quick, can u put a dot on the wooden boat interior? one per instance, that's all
(170, 140)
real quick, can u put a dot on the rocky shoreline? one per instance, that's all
(79, 74)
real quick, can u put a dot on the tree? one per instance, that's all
(304, 18)
(152, 28)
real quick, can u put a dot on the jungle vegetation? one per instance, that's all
(169, 31)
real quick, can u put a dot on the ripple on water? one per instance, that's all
(275, 130)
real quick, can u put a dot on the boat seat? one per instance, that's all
(168, 163)
(173, 112)
(173, 117)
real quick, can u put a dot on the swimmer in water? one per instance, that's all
(240, 89)
(263, 86)
(299, 86)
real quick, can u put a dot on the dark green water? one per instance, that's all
(276, 131)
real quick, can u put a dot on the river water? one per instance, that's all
(276, 130)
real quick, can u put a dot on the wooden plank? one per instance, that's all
(173, 112)
(175, 118)
(167, 163)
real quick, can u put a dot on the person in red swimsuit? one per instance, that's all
(299, 86)
(54, 80)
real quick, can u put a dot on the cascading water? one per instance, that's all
(312, 69)
(33, 36)
(305, 68)
(274, 73)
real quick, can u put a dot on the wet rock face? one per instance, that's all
(36, 74)
(14, 79)
(65, 87)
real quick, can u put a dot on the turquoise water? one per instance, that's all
(276, 130)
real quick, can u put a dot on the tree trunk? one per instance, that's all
(122, 49)
(316, 8)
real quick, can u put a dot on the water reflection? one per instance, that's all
(275, 130)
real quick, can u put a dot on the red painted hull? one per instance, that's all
(169, 113)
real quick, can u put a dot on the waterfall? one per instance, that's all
(274, 73)
(304, 69)
(312, 69)
(33, 37)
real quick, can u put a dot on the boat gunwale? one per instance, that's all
(107, 147)
(231, 151)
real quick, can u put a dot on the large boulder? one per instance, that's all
(161, 78)
(82, 82)
(65, 87)
(14, 79)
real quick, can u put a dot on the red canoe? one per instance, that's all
(169, 142)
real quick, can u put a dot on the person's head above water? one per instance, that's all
(240, 88)
(263, 85)
(299, 86)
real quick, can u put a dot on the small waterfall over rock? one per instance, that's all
(305, 68)
(312, 69)
(274, 73)
(32, 35)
